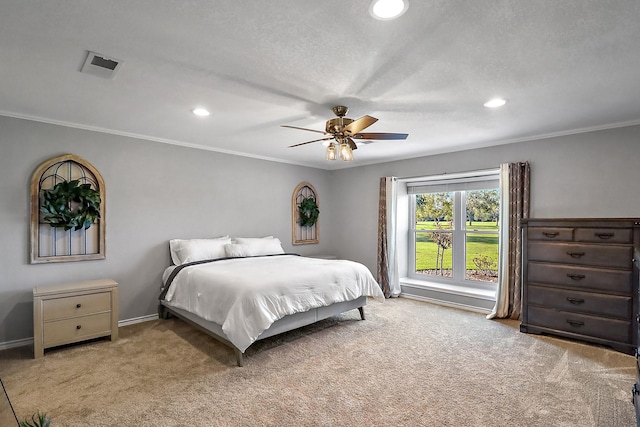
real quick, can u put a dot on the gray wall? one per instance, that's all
(595, 174)
(154, 192)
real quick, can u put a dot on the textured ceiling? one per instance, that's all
(564, 66)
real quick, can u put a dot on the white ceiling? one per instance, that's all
(564, 66)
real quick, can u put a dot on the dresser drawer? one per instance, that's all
(604, 235)
(581, 254)
(77, 329)
(615, 281)
(62, 308)
(585, 302)
(582, 324)
(550, 233)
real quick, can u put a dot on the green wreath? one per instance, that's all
(308, 212)
(70, 204)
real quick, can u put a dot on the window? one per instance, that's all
(454, 229)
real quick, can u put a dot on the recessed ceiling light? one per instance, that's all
(388, 9)
(201, 112)
(495, 103)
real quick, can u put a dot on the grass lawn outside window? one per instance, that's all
(455, 236)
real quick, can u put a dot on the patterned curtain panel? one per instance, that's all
(387, 254)
(515, 190)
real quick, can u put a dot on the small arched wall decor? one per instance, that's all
(55, 244)
(303, 235)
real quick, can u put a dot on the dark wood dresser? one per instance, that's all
(635, 390)
(579, 280)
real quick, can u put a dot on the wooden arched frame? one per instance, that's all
(303, 235)
(49, 244)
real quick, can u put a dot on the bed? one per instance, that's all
(246, 289)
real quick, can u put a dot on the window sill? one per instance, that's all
(451, 288)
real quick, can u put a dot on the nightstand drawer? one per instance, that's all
(615, 281)
(582, 324)
(78, 329)
(81, 305)
(70, 312)
(573, 253)
(584, 302)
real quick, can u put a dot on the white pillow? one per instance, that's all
(184, 251)
(236, 250)
(255, 246)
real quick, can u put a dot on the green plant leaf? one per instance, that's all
(56, 207)
(308, 212)
(37, 420)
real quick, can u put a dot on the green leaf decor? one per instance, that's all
(39, 420)
(308, 212)
(71, 205)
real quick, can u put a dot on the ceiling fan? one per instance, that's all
(343, 130)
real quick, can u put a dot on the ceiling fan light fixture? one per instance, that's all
(331, 152)
(344, 132)
(388, 9)
(495, 103)
(345, 152)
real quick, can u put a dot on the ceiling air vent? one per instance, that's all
(101, 65)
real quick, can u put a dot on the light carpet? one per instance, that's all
(409, 364)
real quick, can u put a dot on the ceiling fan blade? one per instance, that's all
(358, 125)
(309, 142)
(352, 144)
(310, 130)
(375, 135)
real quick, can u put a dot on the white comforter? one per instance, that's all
(247, 295)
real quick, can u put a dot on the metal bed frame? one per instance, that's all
(287, 323)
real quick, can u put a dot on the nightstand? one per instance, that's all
(74, 312)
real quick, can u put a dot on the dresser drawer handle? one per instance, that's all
(79, 327)
(575, 254)
(576, 276)
(575, 301)
(550, 234)
(575, 323)
(604, 236)
(78, 305)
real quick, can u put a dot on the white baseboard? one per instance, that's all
(445, 303)
(29, 341)
(17, 343)
(135, 320)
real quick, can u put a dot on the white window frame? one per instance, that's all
(459, 231)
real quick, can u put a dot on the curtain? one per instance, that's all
(387, 251)
(514, 206)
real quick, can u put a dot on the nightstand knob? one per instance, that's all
(79, 327)
(78, 305)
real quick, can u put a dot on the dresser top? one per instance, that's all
(63, 288)
(583, 222)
